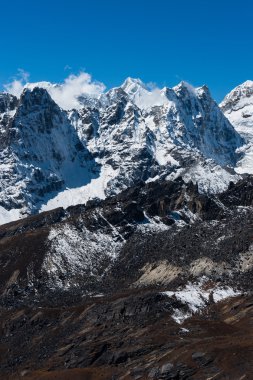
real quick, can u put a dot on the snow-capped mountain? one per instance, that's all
(51, 157)
(143, 134)
(238, 108)
(40, 153)
(189, 118)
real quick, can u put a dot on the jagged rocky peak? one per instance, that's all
(8, 102)
(41, 154)
(115, 95)
(35, 100)
(45, 128)
(38, 113)
(238, 105)
(144, 96)
(240, 97)
(150, 96)
(184, 88)
(206, 125)
(192, 119)
(132, 85)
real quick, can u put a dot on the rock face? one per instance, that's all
(8, 103)
(40, 154)
(158, 233)
(50, 157)
(140, 137)
(189, 117)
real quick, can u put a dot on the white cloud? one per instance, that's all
(64, 94)
(145, 95)
(150, 96)
(16, 86)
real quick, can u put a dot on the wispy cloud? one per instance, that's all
(67, 67)
(16, 86)
(65, 94)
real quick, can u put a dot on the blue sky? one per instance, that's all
(161, 41)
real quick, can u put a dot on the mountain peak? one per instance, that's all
(132, 85)
(203, 91)
(184, 87)
(243, 89)
(247, 83)
(238, 108)
(239, 97)
(35, 97)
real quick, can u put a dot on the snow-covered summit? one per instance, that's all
(46, 85)
(238, 108)
(240, 97)
(142, 95)
(132, 85)
(183, 85)
(147, 134)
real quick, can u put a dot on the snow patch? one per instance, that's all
(197, 296)
(208, 176)
(80, 195)
(7, 216)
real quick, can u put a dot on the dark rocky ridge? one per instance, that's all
(109, 323)
(207, 220)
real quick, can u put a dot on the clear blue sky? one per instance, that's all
(163, 41)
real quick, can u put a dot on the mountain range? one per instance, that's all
(52, 157)
(126, 234)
